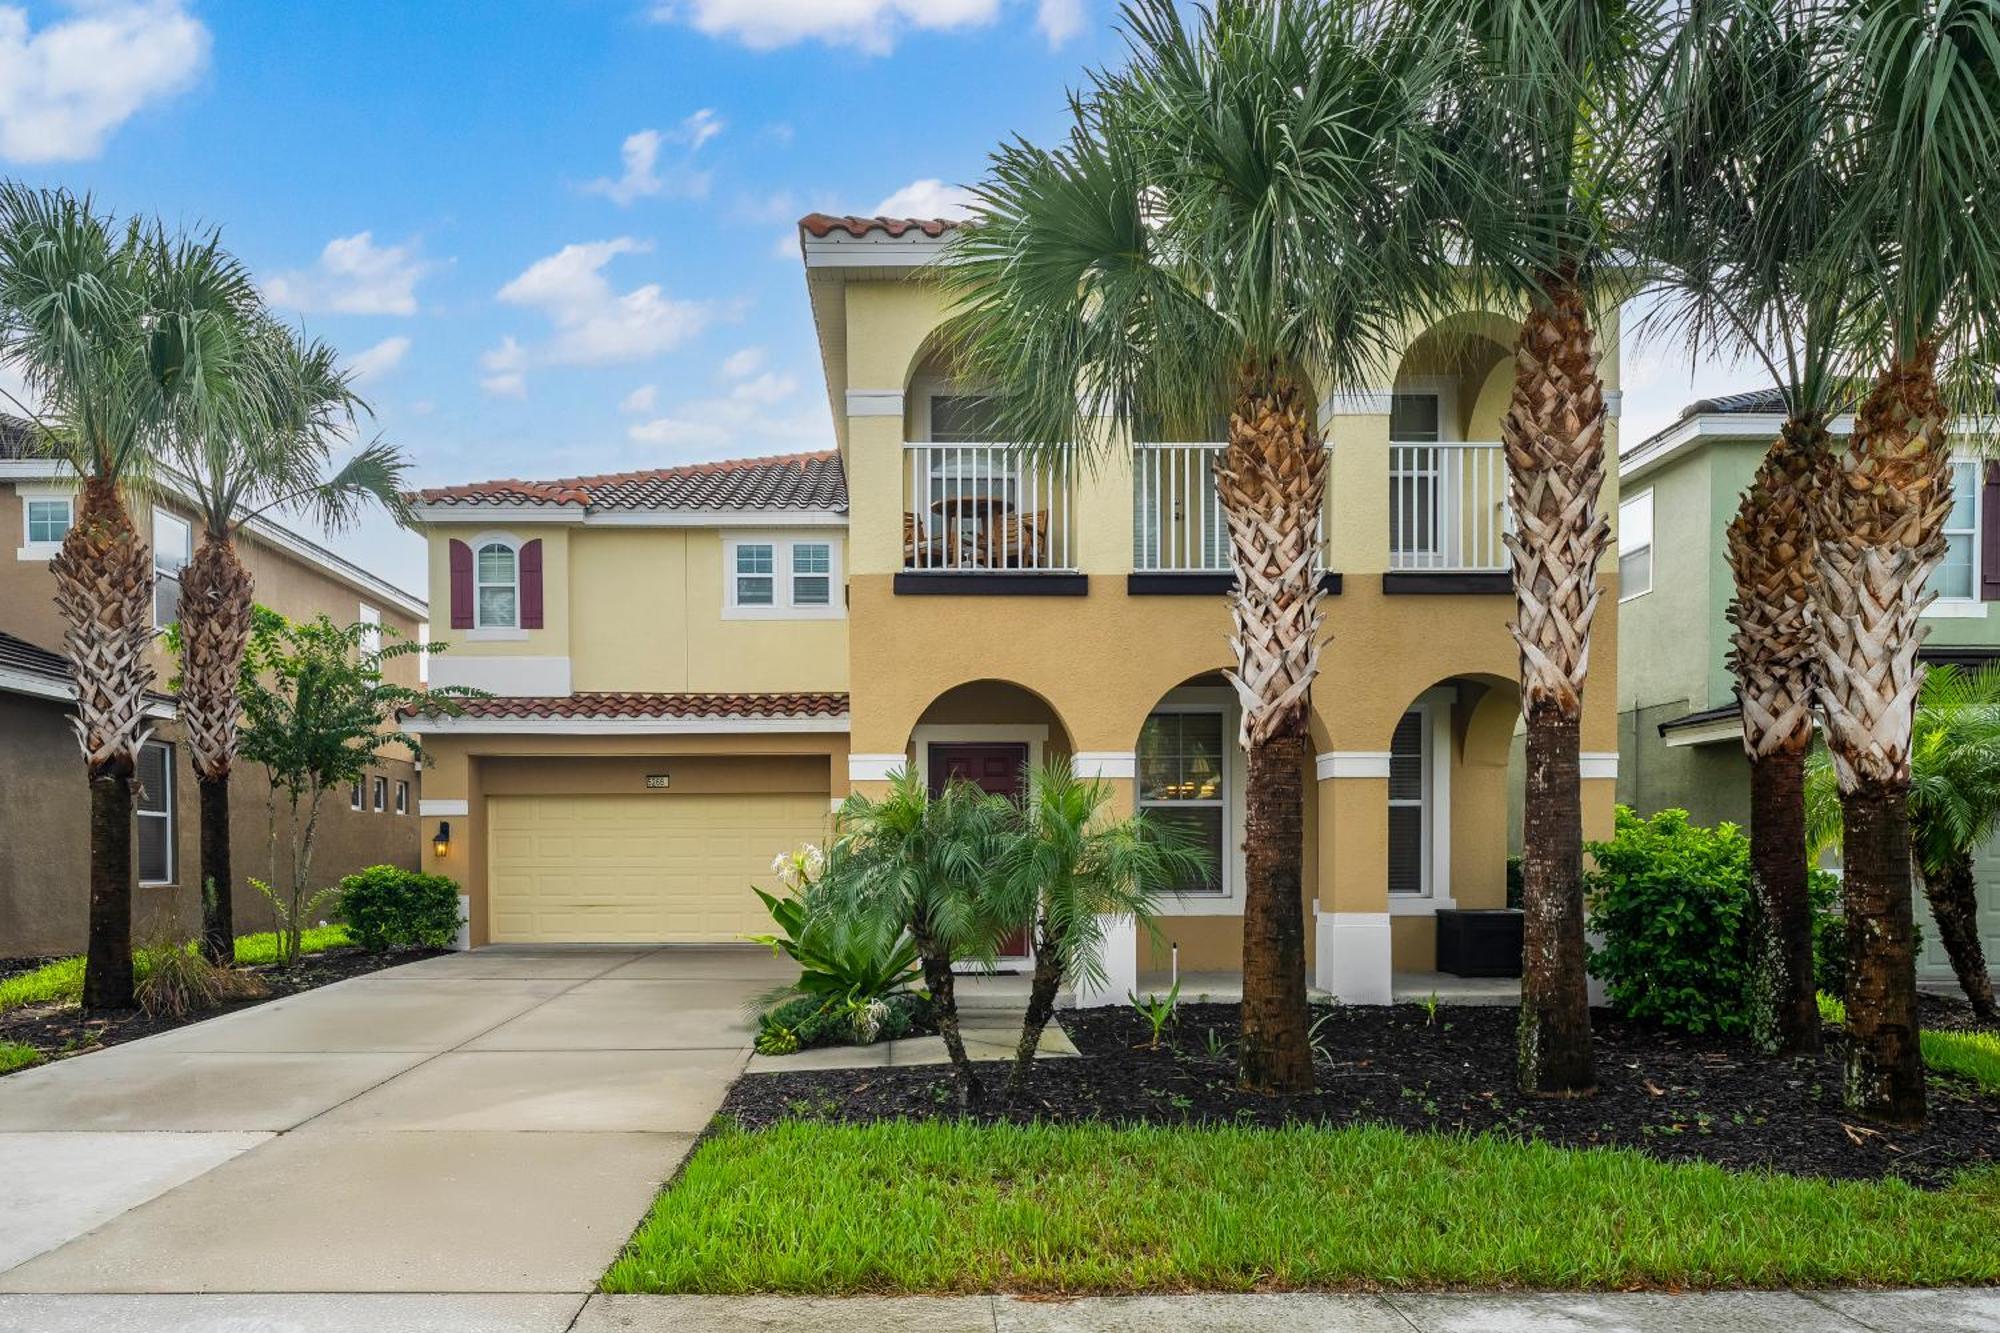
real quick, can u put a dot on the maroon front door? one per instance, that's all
(997, 768)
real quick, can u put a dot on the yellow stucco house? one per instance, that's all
(691, 665)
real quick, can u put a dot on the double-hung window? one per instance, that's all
(1183, 785)
(357, 797)
(497, 587)
(371, 630)
(780, 578)
(756, 574)
(45, 521)
(173, 547)
(381, 795)
(1635, 545)
(1956, 579)
(812, 573)
(1409, 807)
(154, 812)
(402, 797)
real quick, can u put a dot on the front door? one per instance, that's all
(1001, 769)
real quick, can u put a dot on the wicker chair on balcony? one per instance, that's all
(920, 549)
(1019, 541)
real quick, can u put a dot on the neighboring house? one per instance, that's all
(44, 818)
(1680, 737)
(691, 664)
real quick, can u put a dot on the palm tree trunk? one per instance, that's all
(944, 1003)
(216, 597)
(1554, 436)
(1954, 899)
(1041, 1004)
(1880, 533)
(1271, 481)
(1773, 557)
(104, 589)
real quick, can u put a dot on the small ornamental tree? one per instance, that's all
(317, 716)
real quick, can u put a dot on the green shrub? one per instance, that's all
(1829, 932)
(812, 1020)
(389, 908)
(1671, 900)
(176, 981)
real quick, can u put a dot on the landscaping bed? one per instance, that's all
(1670, 1097)
(58, 1027)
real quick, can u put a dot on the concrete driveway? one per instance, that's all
(496, 1121)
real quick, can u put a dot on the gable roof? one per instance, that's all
(641, 712)
(803, 482)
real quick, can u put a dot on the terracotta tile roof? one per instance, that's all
(16, 438)
(822, 225)
(591, 706)
(784, 481)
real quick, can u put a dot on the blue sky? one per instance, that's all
(555, 237)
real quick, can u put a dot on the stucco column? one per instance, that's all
(1120, 956)
(1351, 925)
(451, 797)
(1356, 428)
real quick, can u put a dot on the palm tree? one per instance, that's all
(1234, 223)
(1069, 866)
(113, 328)
(1928, 73)
(1754, 158)
(915, 863)
(276, 453)
(1553, 106)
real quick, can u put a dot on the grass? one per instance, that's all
(16, 1055)
(62, 980)
(907, 1206)
(1970, 1055)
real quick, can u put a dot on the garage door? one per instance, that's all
(637, 869)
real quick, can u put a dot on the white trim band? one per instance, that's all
(1352, 764)
(443, 808)
(874, 402)
(621, 726)
(875, 767)
(1105, 765)
(1601, 763)
(1358, 403)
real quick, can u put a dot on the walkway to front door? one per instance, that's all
(494, 1121)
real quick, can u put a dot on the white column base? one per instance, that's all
(1352, 958)
(1121, 967)
(463, 940)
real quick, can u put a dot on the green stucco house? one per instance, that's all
(1679, 738)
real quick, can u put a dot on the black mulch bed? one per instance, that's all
(1675, 1098)
(60, 1030)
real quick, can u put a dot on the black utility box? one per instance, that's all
(1480, 944)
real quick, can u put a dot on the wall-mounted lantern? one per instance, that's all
(441, 845)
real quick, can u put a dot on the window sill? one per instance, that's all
(42, 551)
(1956, 608)
(496, 636)
(784, 613)
(1198, 904)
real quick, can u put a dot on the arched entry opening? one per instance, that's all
(1447, 476)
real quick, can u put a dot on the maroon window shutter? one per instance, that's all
(531, 585)
(461, 585)
(1989, 535)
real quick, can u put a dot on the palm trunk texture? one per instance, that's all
(1880, 534)
(1954, 898)
(1271, 481)
(104, 589)
(1773, 557)
(944, 1003)
(1041, 1005)
(1554, 437)
(216, 594)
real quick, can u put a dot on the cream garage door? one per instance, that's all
(638, 869)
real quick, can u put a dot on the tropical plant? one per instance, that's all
(1235, 225)
(1070, 865)
(1158, 1011)
(1927, 73)
(176, 980)
(317, 719)
(1756, 156)
(388, 907)
(910, 863)
(1954, 810)
(114, 328)
(1551, 112)
(278, 451)
(832, 964)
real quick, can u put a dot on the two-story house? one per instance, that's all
(1680, 734)
(691, 664)
(44, 807)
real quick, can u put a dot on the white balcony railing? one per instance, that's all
(1177, 524)
(975, 508)
(1447, 506)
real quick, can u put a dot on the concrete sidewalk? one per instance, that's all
(1966, 1311)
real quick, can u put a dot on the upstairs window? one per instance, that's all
(381, 789)
(497, 587)
(155, 813)
(756, 575)
(48, 519)
(965, 418)
(1956, 577)
(1635, 546)
(1414, 418)
(173, 547)
(812, 573)
(371, 633)
(780, 578)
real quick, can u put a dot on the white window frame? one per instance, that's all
(1209, 699)
(167, 816)
(1435, 705)
(357, 795)
(784, 605)
(378, 792)
(1943, 607)
(371, 637)
(30, 549)
(168, 517)
(424, 652)
(480, 629)
(402, 796)
(1649, 546)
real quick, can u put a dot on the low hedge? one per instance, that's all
(387, 907)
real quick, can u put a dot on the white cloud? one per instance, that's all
(745, 361)
(378, 360)
(354, 276)
(66, 87)
(869, 25)
(643, 176)
(594, 325)
(769, 387)
(641, 399)
(504, 366)
(927, 198)
(1059, 20)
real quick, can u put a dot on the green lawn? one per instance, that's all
(944, 1207)
(15, 1055)
(1972, 1055)
(63, 979)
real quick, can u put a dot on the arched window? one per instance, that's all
(497, 585)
